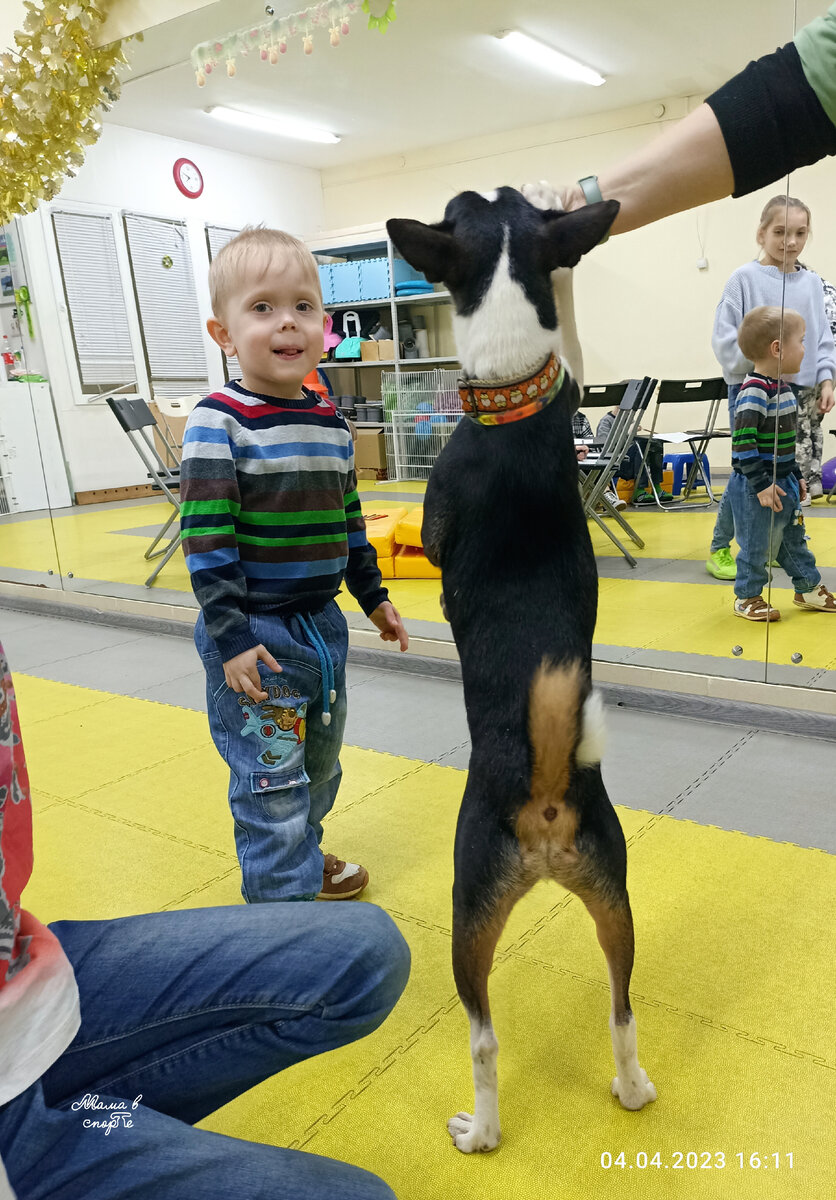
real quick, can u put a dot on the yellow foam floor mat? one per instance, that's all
(633, 612)
(732, 987)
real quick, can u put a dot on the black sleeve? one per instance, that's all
(771, 120)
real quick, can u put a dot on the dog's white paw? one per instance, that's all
(634, 1093)
(467, 1138)
(542, 195)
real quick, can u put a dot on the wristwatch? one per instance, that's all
(592, 192)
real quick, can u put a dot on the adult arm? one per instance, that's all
(785, 101)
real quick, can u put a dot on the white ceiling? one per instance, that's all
(437, 75)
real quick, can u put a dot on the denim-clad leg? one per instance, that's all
(724, 521)
(190, 1009)
(793, 553)
(760, 532)
(283, 761)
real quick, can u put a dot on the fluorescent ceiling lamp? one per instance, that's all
(287, 127)
(542, 55)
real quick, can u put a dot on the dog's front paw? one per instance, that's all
(634, 1093)
(542, 195)
(467, 1138)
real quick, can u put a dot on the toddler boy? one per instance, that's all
(766, 488)
(271, 525)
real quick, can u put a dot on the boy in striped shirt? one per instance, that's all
(271, 526)
(766, 488)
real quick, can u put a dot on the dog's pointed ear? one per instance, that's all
(567, 236)
(431, 249)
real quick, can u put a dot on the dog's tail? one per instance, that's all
(566, 727)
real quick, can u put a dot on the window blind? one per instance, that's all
(95, 300)
(163, 277)
(216, 238)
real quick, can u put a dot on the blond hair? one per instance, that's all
(249, 254)
(764, 325)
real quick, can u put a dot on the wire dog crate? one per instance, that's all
(421, 410)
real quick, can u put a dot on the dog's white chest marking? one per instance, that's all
(503, 339)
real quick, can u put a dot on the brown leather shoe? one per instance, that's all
(341, 880)
(820, 600)
(755, 609)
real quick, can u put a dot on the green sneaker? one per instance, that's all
(643, 497)
(721, 565)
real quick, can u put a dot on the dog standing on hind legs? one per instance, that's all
(503, 519)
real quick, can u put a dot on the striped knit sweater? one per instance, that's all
(270, 517)
(758, 407)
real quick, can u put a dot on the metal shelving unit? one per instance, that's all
(371, 248)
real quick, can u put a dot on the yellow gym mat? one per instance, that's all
(732, 988)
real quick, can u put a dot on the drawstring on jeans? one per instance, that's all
(326, 665)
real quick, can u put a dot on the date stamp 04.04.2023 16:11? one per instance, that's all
(698, 1160)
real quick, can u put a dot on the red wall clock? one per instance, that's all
(188, 178)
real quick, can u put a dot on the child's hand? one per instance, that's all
(387, 619)
(770, 497)
(802, 488)
(241, 672)
(581, 452)
(826, 399)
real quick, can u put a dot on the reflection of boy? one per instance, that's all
(271, 527)
(766, 488)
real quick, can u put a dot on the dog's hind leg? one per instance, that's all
(614, 925)
(478, 921)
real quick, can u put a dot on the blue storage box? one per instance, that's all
(345, 282)
(326, 283)
(374, 278)
(404, 273)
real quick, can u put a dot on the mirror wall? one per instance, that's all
(800, 647)
(116, 277)
(32, 471)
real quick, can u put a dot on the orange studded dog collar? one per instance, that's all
(498, 403)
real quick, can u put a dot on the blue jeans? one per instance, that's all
(283, 761)
(761, 539)
(724, 522)
(190, 1009)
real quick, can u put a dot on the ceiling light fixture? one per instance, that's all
(287, 127)
(539, 53)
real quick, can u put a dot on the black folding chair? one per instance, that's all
(135, 418)
(598, 468)
(689, 391)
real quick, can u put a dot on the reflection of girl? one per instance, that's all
(811, 411)
(774, 279)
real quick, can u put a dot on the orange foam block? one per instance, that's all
(412, 563)
(408, 532)
(381, 524)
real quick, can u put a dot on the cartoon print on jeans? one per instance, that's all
(281, 726)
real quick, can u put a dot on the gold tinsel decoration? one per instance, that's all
(53, 86)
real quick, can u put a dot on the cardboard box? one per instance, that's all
(377, 351)
(370, 450)
(381, 474)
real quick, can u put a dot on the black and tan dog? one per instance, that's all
(503, 519)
